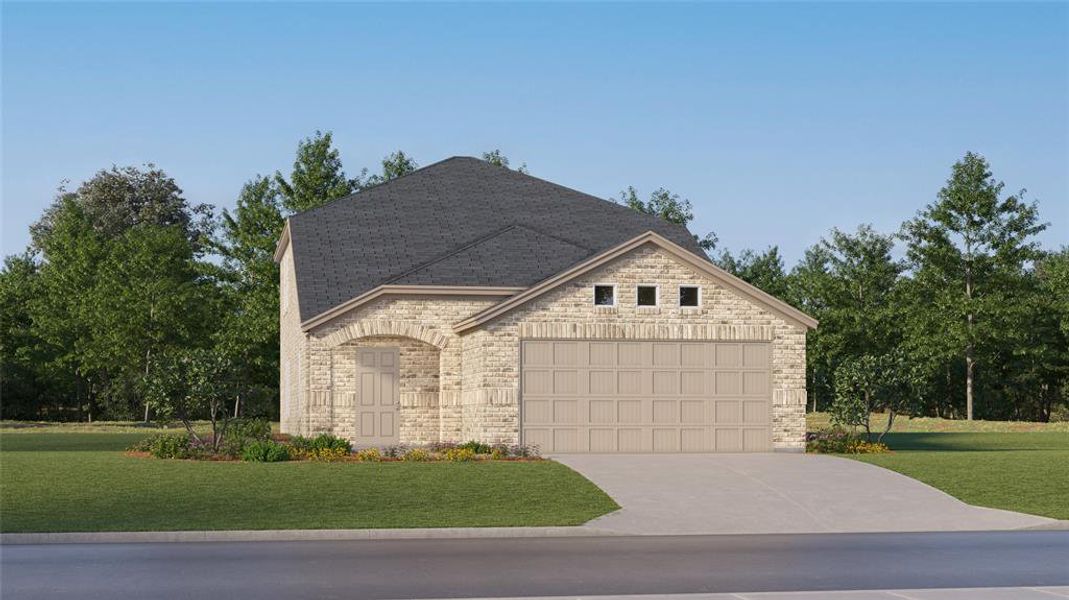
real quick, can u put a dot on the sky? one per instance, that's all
(777, 121)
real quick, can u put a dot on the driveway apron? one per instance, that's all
(774, 493)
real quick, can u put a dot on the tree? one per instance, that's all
(149, 298)
(966, 252)
(848, 281)
(495, 157)
(394, 165)
(249, 328)
(120, 198)
(317, 176)
(28, 386)
(668, 206)
(764, 270)
(874, 383)
(186, 384)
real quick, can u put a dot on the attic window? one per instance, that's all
(689, 295)
(647, 295)
(604, 295)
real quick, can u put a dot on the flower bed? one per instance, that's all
(840, 441)
(321, 448)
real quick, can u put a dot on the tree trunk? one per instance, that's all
(968, 382)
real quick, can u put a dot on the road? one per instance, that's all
(529, 567)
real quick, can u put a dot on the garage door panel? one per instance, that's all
(629, 411)
(755, 383)
(565, 411)
(634, 396)
(666, 440)
(665, 383)
(728, 383)
(602, 382)
(602, 411)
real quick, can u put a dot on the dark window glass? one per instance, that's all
(604, 295)
(647, 295)
(688, 296)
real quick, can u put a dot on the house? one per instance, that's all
(467, 301)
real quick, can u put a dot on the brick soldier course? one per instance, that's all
(459, 264)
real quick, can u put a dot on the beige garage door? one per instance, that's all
(633, 396)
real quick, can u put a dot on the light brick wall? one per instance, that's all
(492, 385)
(428, 320)
(478, 380)
(291, 346)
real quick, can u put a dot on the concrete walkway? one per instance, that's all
(775, 493)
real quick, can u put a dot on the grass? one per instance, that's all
(81, 481)
(1015, 466)
(816, 421)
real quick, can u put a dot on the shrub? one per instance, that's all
(459, 454)
(416, 455)
(323, 441)
(265, 451)
(475, 447)
(523, 451)
(165, 445)
(369, 455)
(840, 441)
(499, 453)
(394, 451)
(249, 429)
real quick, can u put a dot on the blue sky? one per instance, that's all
(778, 121)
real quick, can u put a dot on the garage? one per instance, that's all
(646, 396)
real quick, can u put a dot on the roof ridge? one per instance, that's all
(379, 184)
(612, 203)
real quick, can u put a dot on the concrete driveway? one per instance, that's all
(775, 493)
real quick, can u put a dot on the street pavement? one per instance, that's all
(571, 567)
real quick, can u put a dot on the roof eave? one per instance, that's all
(283, 242)
(406, 290)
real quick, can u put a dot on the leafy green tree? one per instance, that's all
(29, 387)
(966, 253)
(848, 281)
(668, 206)
(866, 384)
(186, 384)
(495, 157)
(249, 330)
(764, 270)
(120, 198)
(149, 297)
(317, 176)
(394, 165)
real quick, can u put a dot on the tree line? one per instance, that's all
(130, 296)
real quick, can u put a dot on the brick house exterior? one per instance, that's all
(500, 336)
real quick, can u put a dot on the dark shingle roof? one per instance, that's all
(461, 221)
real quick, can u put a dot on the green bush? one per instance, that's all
(167, 445)
(265, 451)
(323, 441)
(249, 429)
(840, 441)
(476, 447)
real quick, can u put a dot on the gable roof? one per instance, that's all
(458, 222)
(704, 267)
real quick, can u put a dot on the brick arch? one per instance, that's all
(364, 329)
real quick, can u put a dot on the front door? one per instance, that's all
(378, 399)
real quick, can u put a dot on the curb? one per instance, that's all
(298, 535)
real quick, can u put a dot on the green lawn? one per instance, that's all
(1010, 465)
(80, 481)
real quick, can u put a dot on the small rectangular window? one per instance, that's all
(689, 295)
(605, 295)
(647, 295)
